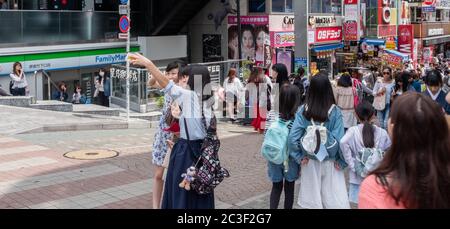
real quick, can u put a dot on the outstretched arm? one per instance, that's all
(138, 59)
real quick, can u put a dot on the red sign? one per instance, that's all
(406, 39)
(329, 34)
(351, 2)
(430, 2)
(351, 31)
(387, 31)
(384, 12)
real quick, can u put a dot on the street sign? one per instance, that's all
(123, 9)
(123, 36)
(124, 24)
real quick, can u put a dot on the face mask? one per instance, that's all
(102, 74)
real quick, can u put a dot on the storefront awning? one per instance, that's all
(399, 54)
(374, 41)
(436, 40)
(329, 47)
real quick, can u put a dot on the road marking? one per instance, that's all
(58, 178)
(100, 198)
(22, 149)
(25, 163)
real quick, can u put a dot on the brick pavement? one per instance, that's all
(46, 179)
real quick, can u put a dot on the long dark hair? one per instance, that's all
(345, 80)
(365, 113)
(282, 71)
(197, 73)
(415, 171)
(319, 98)
(289, 101)
(14, 68)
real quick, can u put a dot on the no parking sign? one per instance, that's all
(124, 24)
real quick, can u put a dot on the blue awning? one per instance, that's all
(397, 53)
(374, 41)
(322, 48)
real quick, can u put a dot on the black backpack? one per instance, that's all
(209, 172)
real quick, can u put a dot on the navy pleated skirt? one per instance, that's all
(175, 197)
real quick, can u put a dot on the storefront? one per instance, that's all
(324, 38)
(72, 67)
(282, 40)
(433, 39)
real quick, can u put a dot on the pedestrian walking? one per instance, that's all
(384, 88)
(233, 89)
(322, 163)
(434, 90)
(363, 138)
(285, 174)
(344, 97)
(414, 172)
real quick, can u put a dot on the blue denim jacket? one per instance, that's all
(335, 126)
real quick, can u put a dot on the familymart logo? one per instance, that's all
(111, 58)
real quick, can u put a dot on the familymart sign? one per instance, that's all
(64, 60)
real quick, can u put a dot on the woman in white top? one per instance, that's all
(196, 102)
(365, 135)
(20, 84)
(233, 88)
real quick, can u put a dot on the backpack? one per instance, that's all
(315, 136)
(275, 145)
(209, 173)
(367, 160)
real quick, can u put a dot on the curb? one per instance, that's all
(92, 126)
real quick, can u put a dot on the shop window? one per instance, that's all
(282, 6)
(257, 6)
(439, 15)
(325, 6)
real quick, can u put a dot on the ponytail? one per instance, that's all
(365, 112)
(368, 135)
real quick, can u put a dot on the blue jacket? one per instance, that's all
(335, 126)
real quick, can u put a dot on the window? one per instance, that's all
(325, 6)
(282, 6)
(439, 15)
(257, 6)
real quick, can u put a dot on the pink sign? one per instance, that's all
(282, 39)
(351, 30)
(249, 20)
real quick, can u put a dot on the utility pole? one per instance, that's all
(128, 62)
(238, 3)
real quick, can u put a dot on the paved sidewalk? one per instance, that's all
(16, 120)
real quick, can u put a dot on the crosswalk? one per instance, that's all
(44, 179)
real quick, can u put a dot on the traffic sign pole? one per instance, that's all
(128, 63)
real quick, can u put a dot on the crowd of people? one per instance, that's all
(390, 134)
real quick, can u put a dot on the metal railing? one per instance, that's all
(50, 82)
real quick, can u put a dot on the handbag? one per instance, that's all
(379, 102)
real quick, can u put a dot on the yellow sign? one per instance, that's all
(390, 45)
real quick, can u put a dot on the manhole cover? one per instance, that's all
(91, 154)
